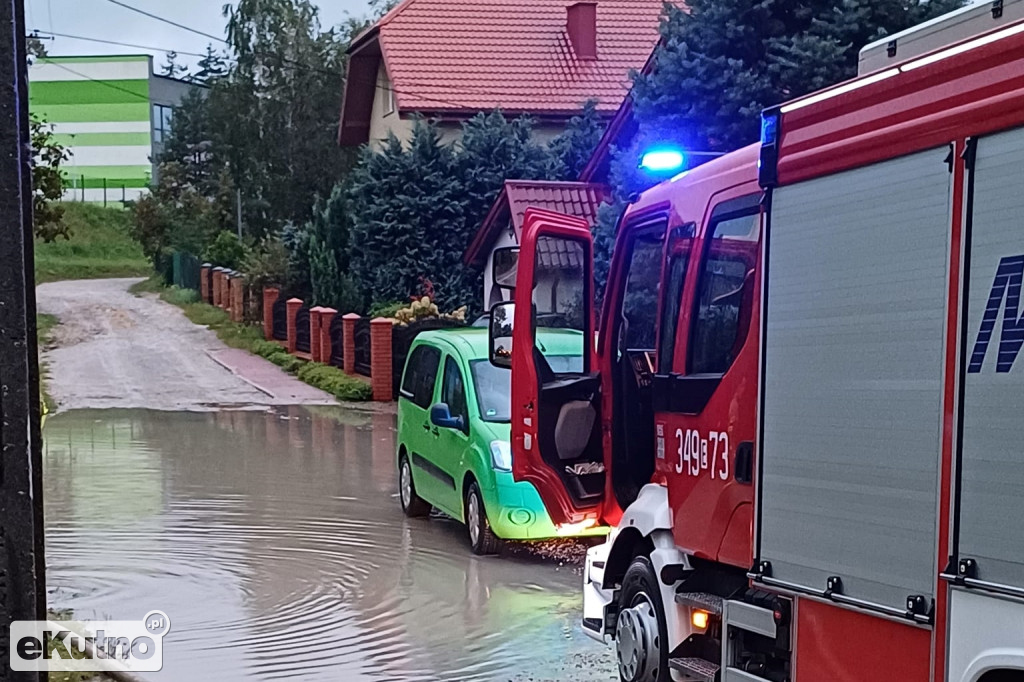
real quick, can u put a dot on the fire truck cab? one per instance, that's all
(801, 413)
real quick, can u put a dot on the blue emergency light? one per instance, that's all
(662, 159)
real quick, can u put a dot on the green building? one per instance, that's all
(112, 113)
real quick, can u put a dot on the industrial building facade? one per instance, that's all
(112, 113)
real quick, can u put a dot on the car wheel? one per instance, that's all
(482, 539)
(640, 633)
(412, 504)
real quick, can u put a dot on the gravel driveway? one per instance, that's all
(115, 349)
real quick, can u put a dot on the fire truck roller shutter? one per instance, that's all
(992, 456)
(853, 355)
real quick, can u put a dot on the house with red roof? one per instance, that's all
(448, 60)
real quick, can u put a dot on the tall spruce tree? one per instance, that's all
(573, 148)
(405, 201)
(721, 62)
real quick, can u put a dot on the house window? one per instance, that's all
(162, 115)
(389, 98)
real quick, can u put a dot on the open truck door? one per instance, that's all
(545, 335)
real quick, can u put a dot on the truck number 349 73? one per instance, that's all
(703, 454)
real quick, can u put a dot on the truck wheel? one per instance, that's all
(640, 644)
(482, 539)
(412, 504)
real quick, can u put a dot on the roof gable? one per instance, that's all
(580, 199)
(458, 57)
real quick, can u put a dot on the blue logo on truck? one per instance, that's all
(1007, 283)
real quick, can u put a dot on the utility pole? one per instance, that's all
(22, 588)
(238, 211)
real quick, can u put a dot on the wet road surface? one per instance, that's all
(275, 542)
(114, 349)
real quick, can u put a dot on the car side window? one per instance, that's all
(453, 392)
(421, 375)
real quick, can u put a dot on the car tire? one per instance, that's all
(640, 634)
(412, 504)
(482, 539)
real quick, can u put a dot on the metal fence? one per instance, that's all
(337, 342)
(280, 322)
(302, 344)
(185, 270)
(363, 352)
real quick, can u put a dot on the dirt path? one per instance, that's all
(114, 349)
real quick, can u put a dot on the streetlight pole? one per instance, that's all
(22, 590)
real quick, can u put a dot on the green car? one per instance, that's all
(453, 438)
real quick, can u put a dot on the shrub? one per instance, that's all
(286, 361)
(334, 381)
(265, 349)
(386, 308)
(226, 250)
(179, 296)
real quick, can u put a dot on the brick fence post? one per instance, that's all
(238, 298)
(380, 359)
(204, 282)
(326, 350)
(227, 294)
(215, 287)
(348, 341)
(222, 285)
(293, 307)
(270, 295)
(314, 333)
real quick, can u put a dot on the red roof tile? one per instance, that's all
(578, 199)
(477, 55)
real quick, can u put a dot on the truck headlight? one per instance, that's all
(501, 455)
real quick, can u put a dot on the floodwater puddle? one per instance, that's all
(276, 545)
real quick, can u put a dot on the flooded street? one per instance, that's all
(275, 542)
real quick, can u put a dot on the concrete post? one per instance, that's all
(204, 282)
(348, 335)
(293, 307)
(314, 333)
(380, 359)
(270, 295)
(326, 349)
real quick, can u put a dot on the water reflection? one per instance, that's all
(275, 543)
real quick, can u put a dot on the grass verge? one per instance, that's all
(53, 645)
(248, 337)
(44, 338)
(100, 246)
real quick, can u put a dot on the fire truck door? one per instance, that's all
(556, 430)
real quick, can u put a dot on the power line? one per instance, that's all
(308, 67)
(295, 63)
(117, 43)
(94, 80)
(167, 21)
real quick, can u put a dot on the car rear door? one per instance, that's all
(415, 398)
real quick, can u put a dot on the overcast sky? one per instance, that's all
(104, 20)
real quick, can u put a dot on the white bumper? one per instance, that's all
(596, 599)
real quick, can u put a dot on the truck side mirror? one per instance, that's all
(500, 334)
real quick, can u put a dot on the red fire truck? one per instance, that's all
(800, 411)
